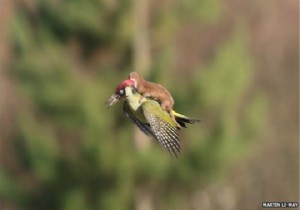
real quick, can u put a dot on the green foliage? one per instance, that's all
(81, 155)
(200, 10)
(221, 88)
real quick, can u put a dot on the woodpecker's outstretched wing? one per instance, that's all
(163, 126)
(143, 126)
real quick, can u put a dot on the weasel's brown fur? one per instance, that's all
(153, 90)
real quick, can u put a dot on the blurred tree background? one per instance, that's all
(233, 64)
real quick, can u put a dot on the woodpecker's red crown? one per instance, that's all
(123, 84)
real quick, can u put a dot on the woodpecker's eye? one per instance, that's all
(121, 92)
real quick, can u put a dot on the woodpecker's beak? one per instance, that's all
(112, 100)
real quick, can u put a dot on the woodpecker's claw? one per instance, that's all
(112, 100)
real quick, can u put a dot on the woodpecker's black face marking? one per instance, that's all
(122, 92)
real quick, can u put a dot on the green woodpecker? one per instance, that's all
(149, 116)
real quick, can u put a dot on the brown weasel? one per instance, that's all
(153, 90)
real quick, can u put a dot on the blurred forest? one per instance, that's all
(232, 64)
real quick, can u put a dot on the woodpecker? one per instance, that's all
(149, 116)
(153, 90)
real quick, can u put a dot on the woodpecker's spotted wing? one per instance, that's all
(163, 126)
(143, 126)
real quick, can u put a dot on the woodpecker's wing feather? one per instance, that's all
(144, 127)
(182, 119)
(165, 132)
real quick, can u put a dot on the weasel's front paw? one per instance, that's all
(141, 99)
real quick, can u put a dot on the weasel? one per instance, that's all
(153, 90)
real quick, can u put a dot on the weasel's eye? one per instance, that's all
(134, 90)
(121, 92)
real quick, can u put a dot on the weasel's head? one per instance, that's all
(136, 77)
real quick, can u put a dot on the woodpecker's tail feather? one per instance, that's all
(182, 119)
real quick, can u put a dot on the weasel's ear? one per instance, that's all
(130, 76)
